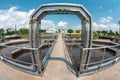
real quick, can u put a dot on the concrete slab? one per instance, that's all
(111, 73)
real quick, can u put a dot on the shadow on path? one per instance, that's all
(63, 60)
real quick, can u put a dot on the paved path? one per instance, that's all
(57, 70)
(111, 73)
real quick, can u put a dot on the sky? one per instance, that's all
(105, 14)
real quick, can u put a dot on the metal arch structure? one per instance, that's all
(59, 8)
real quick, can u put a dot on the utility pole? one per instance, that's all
(15, 29)
(0, 32)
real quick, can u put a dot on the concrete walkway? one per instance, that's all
(57, 69)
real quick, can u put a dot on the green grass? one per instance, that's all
(74, 35)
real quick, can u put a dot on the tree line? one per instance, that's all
(21, 31)
(105, 33)
(96, 34)
(71, 31)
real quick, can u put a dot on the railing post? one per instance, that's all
(88, 58)
(102, 58)
(36, 43)
(31, 41)
(81, 61)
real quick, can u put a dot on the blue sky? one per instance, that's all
(105, 13)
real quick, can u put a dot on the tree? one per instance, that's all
(117, 34)
(77, 31)
(104, 33)
(24, 31)
(111, 33)
(43, 31)
(98, 32)
(95, 34)
(8, 31)
(1, 32)
(70, 31)
(59, 30)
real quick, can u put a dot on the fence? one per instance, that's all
(9, 54)
(99, 58)
(90, 60)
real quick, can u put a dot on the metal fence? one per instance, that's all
(26, 63)
(105, 56)
(91, 60)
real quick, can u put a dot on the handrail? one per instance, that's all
(99, 61)
(27, 48)
(103, 60)
(15, 60)
(102, 47)
(3, 45)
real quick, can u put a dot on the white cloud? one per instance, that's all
(106, 19)
(110, 18)
(10, 17)
(105, 23)
(47, 24)
(12, 9)
(62, 24)
(108, 26)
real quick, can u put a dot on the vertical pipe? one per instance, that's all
(86, 40)
(36, 44)
(102, 58)
(31, 42)
(85, 34)
(90, 41)
(81, 61)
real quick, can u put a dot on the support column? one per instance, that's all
(85, 39)
(31, 42)
(85, 34)
(36, 44)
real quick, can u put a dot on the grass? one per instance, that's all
(74, 35)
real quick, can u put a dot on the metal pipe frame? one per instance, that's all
(61, 8)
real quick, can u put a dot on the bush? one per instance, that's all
(43, 31)
(74, 35)
(70, 31)
(77, 31)
(24, 31)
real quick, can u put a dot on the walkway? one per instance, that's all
(57, 70)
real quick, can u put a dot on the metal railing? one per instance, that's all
(104, 62)
(71, 66)
(97, 59)
(6, 56)
(18, 64)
